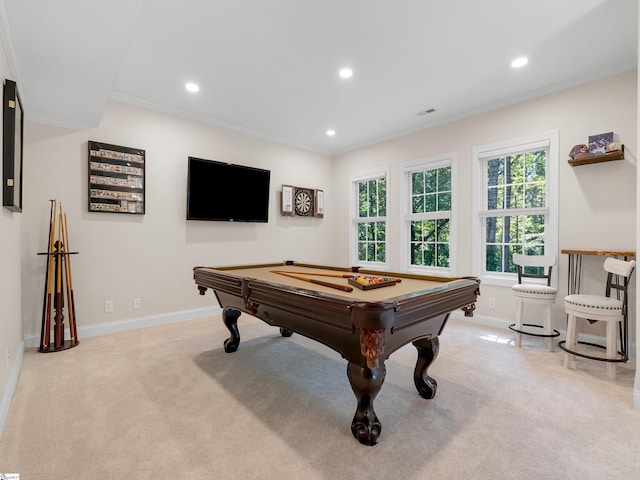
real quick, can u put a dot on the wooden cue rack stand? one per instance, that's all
(58, 284)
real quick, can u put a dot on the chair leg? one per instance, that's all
(612, 348)
(571, 341)
(519, 314)
(547, 325)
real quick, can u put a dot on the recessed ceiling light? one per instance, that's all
(519, 62)
(331, 133)
(192, 87)
(345, 72)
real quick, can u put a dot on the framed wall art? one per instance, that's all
(116, 179)
(12, 137)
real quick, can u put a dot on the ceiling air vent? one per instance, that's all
(425, 112)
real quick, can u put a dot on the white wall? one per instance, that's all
(151, 256)
(597, 207)
(10, 288)
(636, 389)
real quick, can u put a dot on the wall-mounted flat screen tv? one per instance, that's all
(225, 192)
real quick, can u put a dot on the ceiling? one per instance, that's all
(270, 67)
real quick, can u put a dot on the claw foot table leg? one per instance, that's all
(366, 383)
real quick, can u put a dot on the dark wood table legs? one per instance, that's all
(366, 378)
(366, 383)
(428, 349)
(230, 319)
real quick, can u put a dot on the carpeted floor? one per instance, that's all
(167, 402)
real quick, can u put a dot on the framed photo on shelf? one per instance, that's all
(599, 144)
(116, 179)
(12, 138)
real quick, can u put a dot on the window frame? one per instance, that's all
(480, 156)
(430, 163)
(355, 220)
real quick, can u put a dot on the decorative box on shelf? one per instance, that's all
(605, 157)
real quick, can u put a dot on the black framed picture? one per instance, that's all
(116, 179)
(12, 137)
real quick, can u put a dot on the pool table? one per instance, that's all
(365, 325)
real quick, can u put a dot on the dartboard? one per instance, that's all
(303, 202)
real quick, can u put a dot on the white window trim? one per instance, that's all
(353, 223)
(550, 138)
(436, 161)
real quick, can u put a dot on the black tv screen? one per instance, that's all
(225, 192)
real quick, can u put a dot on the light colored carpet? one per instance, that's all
(167, 402)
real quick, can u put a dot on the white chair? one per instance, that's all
(602, 308)
(536, 293)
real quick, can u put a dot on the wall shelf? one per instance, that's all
(606, 157)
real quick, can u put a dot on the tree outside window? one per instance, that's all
(371, 220)
(516, 214)
(430, 217)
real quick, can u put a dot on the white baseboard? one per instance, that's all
(481, 320)
(11, 387)
(132, 324)
(501, 323)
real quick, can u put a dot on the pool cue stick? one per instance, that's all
(67, 293)
(65, 282)
(344, 288)
(57, 334)
(50, 278)
(336, 275)
(45, 303)
(70, 300)
(339, 275)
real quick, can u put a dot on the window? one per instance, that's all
(370, 219)
(428, 228)
(516, 206)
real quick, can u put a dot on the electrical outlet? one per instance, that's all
(492, 302)
(136, 303)
(108, 306)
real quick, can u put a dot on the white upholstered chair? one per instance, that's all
(529, 291)
(602, 308)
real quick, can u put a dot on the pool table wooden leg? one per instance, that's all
(427, 352)
(366, 383)
(230, 319)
